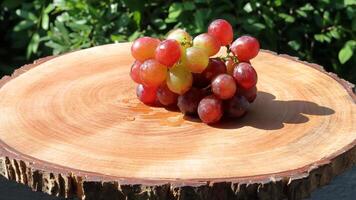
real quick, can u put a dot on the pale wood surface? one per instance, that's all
(80, 111)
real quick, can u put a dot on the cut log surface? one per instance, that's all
(71, 126)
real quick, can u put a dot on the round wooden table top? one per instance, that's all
(80, 111)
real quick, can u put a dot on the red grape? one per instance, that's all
(208, 43)
(152, 73)
(196, 59)
(224, 86)
(168, 52)
(236, 106)
(230, 64)
(210, 109)
(135, 72)
(245, 75)
(249, 94)
(215, 67)
(166, 96)
(146, 94)
(189, 101)
(144, 48)
(245, 48)
(222, 31)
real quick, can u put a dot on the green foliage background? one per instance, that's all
(320, 31)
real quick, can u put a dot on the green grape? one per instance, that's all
(179, 79)
(196, 59)
(182, 37)
(208, 43)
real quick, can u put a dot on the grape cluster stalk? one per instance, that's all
(182, 71)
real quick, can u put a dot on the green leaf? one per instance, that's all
(278, 2)
(36, 41)
(45, 21)
(345, 54)
(79, 26)
(33, 45)
(60, 3)
(287, 18)
(123, 21)
(63, 17)
(24, 24)
(113, 8)
(199, 18)
(27, 15)
(188, 5)
(269, 22)
(57, 48)
(118, 38)
(160, 24)
(295, 45)
(248, 7)
(349, 2)
(307, 7)
(351, 44)
(137, 18)
(322, 38)
(134, 36)
(302, 13)
(49, 8)
(334, 32)
(63, 31)
(350, 12)
(175, 10)
(326, 17)
(170, 20)
(259, 26)
(319, 37)
(253, 27)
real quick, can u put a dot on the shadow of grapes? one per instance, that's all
(267, 113)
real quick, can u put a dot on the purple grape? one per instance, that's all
(250, 94)
(210, 109)
(189, 101)
(215, 67)
(236, 106)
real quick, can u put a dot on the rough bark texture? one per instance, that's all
(65, 182)
(69, 185)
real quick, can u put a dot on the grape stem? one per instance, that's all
(207, 88)
(228, 49)
(229, 55)
(187, 43)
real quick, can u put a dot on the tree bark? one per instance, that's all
(71, 126)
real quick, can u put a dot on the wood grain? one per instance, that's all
(72, 126)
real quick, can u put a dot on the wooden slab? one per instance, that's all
(73, 122)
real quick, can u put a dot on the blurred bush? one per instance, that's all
(320, 31)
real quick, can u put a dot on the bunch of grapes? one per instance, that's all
(181, 71)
